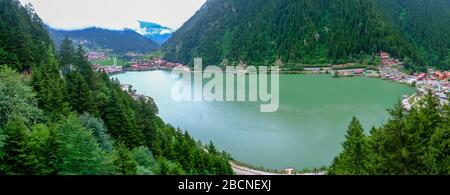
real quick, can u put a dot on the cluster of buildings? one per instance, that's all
(436, 82)
(93, 56)
(340, 71)
(350, 72)
(136, 65)
(107, 69)
(389, 69)
(391, 73)
(154, 64)
(387, 60)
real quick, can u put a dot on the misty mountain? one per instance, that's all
(119, 41)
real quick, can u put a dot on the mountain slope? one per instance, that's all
(155, 32)
(79, 121)
(291, 31)
(23, 40)
(426, 24)
(120, 41)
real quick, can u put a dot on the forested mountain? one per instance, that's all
(22, 39)
(58, 116)
(119, 41)
(262, 32)
(424, 23)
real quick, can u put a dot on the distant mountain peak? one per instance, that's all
(154, 31)
(118, 41)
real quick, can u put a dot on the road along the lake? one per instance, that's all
(241, 170)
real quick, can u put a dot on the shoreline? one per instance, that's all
(245, 169)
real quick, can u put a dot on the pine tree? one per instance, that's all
(144, 157)
(124, 160)
(146, 114)
(353, 159)
(50, 86)
(166, 167)
(211, 148)
(66, 55)
(437, 158)
(18, 158)
(438, 154)
(61, 142)
(78, 152)
(84, 67)
(121, 122)
(98, 129)
(43, 145)
(16, 98)
(79, 94)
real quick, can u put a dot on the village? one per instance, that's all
(134, 65)
(433, 81)
(436, 82)
(153, 64)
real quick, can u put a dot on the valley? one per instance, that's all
(363, 89)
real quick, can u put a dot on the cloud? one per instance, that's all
(114, 14)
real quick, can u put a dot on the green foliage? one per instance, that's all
(78, 152)
(23, 38)
(177, 147)
(143, 156)
(79, 94)
(438, 156)
(314, 32)
(166, 167)
(426, 23)
(307, 31)
(98, 129)
(121, 121)
(355, 148)
(2, 143)
(16, 98)
(43, 142)
(18, 159)
(123, 159)
(66, 53)
(47, 79)
(44, 134)
(146, 111)
(414, 142)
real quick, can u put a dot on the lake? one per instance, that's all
(306, 131)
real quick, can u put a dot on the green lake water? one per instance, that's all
(306, 131)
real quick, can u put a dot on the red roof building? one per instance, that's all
(421, 76)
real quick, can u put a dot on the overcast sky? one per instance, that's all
(114, 14)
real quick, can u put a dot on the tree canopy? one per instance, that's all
(265, 32)
(58, 116)
(414, 142)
